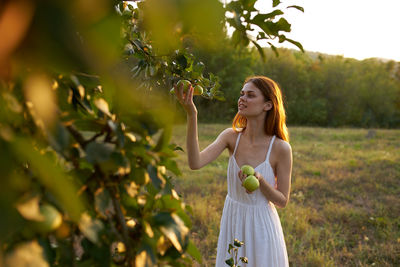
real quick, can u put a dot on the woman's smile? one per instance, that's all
(242, 106)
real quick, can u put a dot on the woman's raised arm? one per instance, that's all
(197, 159)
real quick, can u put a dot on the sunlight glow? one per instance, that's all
(358, 28)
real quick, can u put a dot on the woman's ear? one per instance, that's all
(268, 105)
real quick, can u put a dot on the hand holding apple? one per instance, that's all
(247, 170)
(249, 178)
(251, 183)
(184, 93)
(185, 85)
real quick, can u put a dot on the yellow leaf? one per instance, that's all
(30, 209)
(27, 254)
(169, 232)
(148, 229)
(39, 92)
(102, 105)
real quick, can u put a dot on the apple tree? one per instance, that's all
(87, 166)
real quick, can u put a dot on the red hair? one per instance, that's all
(275, 120)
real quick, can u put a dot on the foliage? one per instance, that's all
(87, 162)
(319, 89)
(154, 69)
(242, 20)
(233, 251)
(232, 65)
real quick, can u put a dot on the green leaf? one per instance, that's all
(274, 49)
(182, 61)
(249, 5)
(157, 180)
(261, 18)
(59, 138)
(260, 50)
(230, 262)
(120, 135)
(283, 25)
(275, 3)
(167, 202)
(90, 227)
(92, 125)
(230, 248)
(234, 6)
(164, 139)
(103, 203)
(297, 7)
(51, 176)
(261, 35)
(199, 67)
(171, 165)
(185, 218)
(296, 44)
(236, 37)
(98, 152)
(193, 251)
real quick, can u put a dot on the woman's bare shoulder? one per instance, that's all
(230, 135)
(282, 147)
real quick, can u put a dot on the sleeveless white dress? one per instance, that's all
(251, 218)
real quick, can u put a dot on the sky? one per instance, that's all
(352, 28)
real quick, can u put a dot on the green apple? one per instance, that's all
(198, 90)
(52, 219)
(251, 183)
(186, 85)
(247, 170)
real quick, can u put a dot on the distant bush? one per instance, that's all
(319, 90)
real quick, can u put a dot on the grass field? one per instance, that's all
(344, 208)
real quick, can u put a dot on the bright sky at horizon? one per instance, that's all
(353, 28)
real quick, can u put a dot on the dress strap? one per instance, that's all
(269, 149)
(237, 142)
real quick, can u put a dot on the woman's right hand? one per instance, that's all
(186, 99)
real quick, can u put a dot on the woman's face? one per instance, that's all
(251, 101)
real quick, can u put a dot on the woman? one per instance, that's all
(259, 138)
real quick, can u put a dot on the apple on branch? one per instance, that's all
(197, 89)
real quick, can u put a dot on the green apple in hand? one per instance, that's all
(186, 85)
(251, 183)
(247, 170)
(197, 90)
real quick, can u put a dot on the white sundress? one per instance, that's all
(251, 218)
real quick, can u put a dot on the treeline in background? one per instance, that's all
(319, 90)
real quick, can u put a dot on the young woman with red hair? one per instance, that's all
(258, 137)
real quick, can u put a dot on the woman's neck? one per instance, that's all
(255, 131)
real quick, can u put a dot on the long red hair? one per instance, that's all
(275, 120)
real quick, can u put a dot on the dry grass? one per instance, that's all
(344, 208)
